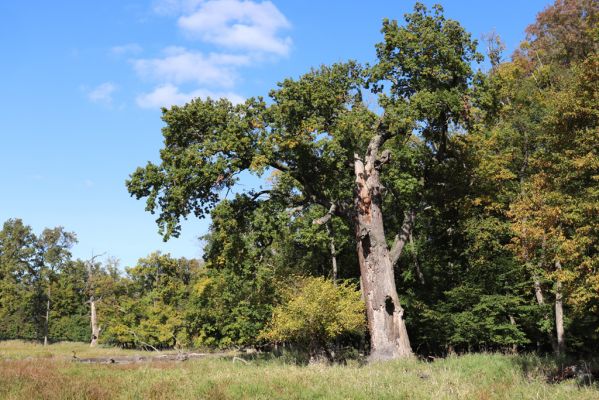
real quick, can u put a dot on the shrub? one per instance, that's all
(315, 312)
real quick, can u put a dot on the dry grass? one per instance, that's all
(19, 349)
(476, 376)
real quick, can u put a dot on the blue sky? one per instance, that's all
(83, 81)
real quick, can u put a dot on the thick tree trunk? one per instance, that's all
(94, 323)
(559, 314)
(388, 334)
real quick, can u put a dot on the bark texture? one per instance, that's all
(94, 323)
(47, 321)
(541, 301)
(388, 333)
(559, 314)
(538, 291)
(333, 250)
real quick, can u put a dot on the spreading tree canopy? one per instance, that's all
(328, 147)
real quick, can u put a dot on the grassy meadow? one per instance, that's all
(30, 371)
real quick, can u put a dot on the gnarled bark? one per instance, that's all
(388, 333)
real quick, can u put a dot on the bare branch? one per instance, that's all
(255, 195)
(402, 237)
(383, 159)
(279, 165)
(325, 218)
(142, 342)
(295, 209)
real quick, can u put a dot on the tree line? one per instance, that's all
(460, 204)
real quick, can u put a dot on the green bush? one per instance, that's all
(315, 312)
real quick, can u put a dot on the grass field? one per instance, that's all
(29, 371)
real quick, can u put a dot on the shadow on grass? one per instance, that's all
(555, 369)
(289, 355)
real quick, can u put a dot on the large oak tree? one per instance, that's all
(329, 148)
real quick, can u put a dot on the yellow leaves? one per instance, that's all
(291, 144)
(585, 295)
(256, 124)
(259, 163)
(564, 276)
(316, 310)
(477, 201)
(201, 285)
(589, 161)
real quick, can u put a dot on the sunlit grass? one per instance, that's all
(475, 376)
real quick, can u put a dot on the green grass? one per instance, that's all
(475, 376)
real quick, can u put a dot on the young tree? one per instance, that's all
(150, 312)
(53, 254)
(322, 138)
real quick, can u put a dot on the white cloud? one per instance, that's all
(180, 65)
(244, 32)
(244, 25)
(175, 7)
(102, 93)
(168, 95)
(129, 48)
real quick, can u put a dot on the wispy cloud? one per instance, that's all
(180, 65)
(168, 95)
(244, 25)
(241, 33)
(126, 49)
(102, 93)
(175, 7)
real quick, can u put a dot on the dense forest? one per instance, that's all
(428, 203)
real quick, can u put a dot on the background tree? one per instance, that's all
(18, 278)
(53, 255)
(150, 311)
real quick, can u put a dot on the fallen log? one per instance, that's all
(140, 359)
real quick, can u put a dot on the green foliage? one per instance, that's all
(316, 311)
(228, 310)
(500, 169)
(152, 304)
(36, 271)
(428, 64)
(18, 281)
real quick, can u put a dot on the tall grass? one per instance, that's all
(475, 376)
